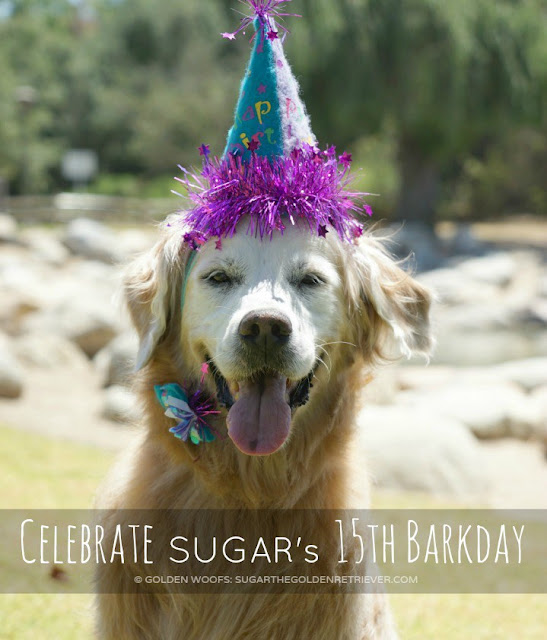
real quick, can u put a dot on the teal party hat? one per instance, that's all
(270, 119)
(272, 173)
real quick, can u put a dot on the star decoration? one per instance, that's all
(273, 35)
(229, 36)
(262, 88)
(218, 245)
(204, 371)
(253, 145)
(322, 231)
(346, 159)
(204, 150)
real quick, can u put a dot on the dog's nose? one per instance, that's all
(271, 327)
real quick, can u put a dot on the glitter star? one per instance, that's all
(253, 145)
(262, 88)
(218, 245)
(272, 35)
(229, 36)
(204, 150)
(346, 159)
(204, 371)
(322, 231)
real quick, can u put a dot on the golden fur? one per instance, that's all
(317, 468)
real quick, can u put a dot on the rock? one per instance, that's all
(49, 351)
(542, 287)
(85, 322)
(116, 362)
(419, 450)
(15, 307)
(497, 269)
(480, 317)
(92, 240)
(488, 409)
(8, 228)
(11, 375)
(529, 373)
(466, 348)
(432, 377)
(539, 395)
(133, 241)
(120, 405)
(46, 247)
(452, 287)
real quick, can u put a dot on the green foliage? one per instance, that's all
(431, 85)
(509, 178)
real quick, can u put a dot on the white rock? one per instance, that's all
(15, 307)
(419, 450)
(83, 321)
(120, 405)
(529, 373)
(488, 409)
(539, 395)
(453, 287)
(469, 348)
(93, 240)
(8, 228)
(46, 247)
(133, 241)
(49, 351)
(432, 377)
(497, 269)
(116, 362)
(542, 288)
(11, 375)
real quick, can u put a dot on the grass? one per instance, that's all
(41, 473)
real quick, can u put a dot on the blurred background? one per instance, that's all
(443, 106)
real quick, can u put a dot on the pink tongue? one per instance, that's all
(260, 421)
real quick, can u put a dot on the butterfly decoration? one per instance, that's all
(189, 411)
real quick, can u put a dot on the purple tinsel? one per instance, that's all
(307, 185)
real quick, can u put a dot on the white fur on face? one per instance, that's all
(293, 274)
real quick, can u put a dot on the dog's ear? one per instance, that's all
(152, 286)
(390, 304)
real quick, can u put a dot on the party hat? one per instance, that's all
(271, 173)
(270, 118)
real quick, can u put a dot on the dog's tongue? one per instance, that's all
(260, 420)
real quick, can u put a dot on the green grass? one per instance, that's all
(41, 473)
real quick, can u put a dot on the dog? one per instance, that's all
(290, 327)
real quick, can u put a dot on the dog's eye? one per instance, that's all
(219, 277)
(311, 280)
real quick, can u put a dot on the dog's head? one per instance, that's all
(272, 318)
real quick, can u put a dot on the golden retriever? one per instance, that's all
(291, 326)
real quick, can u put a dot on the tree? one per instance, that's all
(449, 77)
